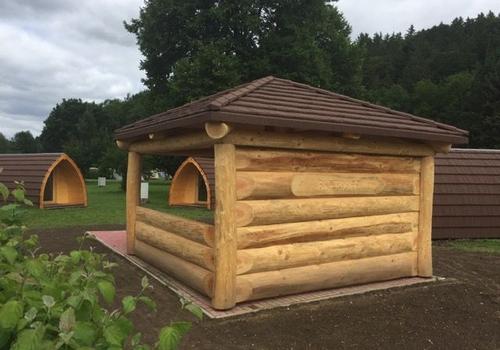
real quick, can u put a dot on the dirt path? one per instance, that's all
(462, 313)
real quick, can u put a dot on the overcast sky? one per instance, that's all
(54, 49)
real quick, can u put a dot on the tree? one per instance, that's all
(60, 126)
(4, 144)
(24, 142)
(450, 73)
(194, 48)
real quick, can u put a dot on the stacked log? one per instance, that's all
(312, 220)
(178, 246)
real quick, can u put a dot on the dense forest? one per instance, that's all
(450, 72)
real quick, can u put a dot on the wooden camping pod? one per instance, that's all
(311, 190)
(194, 183)
(52, 180)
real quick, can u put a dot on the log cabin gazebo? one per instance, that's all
(313, 190)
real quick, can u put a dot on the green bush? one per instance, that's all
(56, 301)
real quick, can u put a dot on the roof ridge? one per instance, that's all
(232, 96)
(373, 105)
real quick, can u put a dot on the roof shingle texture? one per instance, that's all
(272, 101)
(467, 194)
(28, 168)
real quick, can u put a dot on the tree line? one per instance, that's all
(449, 73)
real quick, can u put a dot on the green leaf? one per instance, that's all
(18, 194)
(85, 333)
(145, 282)
(84, 311)
(67, 320)
(75, 256)
(27, 202)
(15, 276)
(48, 301)
(149, 302)
(129, 304)
(5, 336)
(117, 332)
(9, 253)
(9, 207)
(31, 314)
(35, 267)
(136, 339)
(28, 339)
(4, 192)
(107, 290)
(195, 310)
(170, 337)
(10, 313)
(74, 301)
(66, 337)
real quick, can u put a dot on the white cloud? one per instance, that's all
(393, 16)
(50, 50)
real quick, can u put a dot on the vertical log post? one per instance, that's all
(225, 240)
(424, 240)
(133, 192)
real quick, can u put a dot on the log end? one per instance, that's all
(244, 214)
(217, 130)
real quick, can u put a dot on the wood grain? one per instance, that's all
(193, 275)
(266, 212)
(225, 240)
(132, 196)
(191, 229)
(424, 240)
(285, 256)
(318, 230)
(331, 275)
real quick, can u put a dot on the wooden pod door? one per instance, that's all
(63, 185)
(193, 183)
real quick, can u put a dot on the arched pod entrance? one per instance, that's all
(193, 183)
(63, 185)
(51, 179)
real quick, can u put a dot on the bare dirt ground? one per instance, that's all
(462, 312)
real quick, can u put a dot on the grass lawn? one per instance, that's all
(106, 205)
(491, 246)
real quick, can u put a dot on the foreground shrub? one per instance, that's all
(56, 301)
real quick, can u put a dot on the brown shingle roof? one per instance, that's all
(272, 101)
(28, 168)
(467, 194)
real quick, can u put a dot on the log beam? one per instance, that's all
(267, 212)
(184, 142)
(424, 239)
(258, 159)
(266, 185)
(186, 249)
(194, 276)
(308, 231)
(285, 256)
(191, 229)
(331, 275)
(225, 239)
(312, 141)
(132, 196)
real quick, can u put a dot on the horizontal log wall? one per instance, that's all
(314, 220)
(178, 246)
